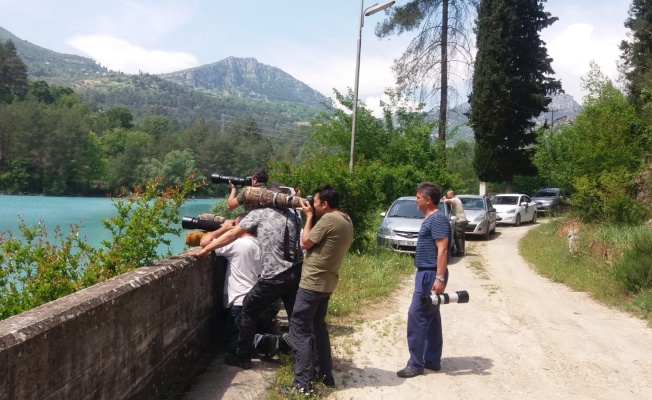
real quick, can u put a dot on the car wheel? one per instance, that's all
(517, 221)
(534, 218)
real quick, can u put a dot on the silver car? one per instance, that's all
(401, 223)
(480, 214)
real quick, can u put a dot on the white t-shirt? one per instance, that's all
(243, 270)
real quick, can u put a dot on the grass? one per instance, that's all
(592, 267)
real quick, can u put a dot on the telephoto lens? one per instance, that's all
(237, 181)
(201, 224)
(461, 296)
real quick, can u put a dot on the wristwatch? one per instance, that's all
(440, 278)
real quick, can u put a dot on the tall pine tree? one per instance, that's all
(636, 53)
(443, 41)
(511, 81)
(13, 73)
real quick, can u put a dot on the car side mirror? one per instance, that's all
(382, 214)
(524, 204)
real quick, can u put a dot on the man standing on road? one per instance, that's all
(277, 230)
(457, 209)
(327, 244)
(424, 331)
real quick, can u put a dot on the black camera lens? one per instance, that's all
(201, 224)
(237, 181)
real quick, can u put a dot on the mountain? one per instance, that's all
(246, 77)
(562, 109)
(232, 89)
(57, 68)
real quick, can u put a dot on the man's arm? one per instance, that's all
(307, 209)
(228, 237)
(442, 263)
(232, 201)
(210, 236)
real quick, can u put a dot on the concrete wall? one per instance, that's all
(132, 336)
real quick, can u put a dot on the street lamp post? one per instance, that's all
(363, 13)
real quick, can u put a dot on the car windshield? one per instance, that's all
(546, 193)
(506, 200)
(472, 203)
(405, 209)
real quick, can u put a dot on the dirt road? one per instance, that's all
(520, 337)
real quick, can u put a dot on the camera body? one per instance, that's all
(237, 181)
(200, 224)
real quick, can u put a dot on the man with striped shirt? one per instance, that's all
(424, 331)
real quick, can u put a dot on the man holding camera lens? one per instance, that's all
(277, 230)
(258, 179)
(424, 331)
(326, 244)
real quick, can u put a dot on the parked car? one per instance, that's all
(399, 229)
(480, 213)
(514, 208)
(548, 199)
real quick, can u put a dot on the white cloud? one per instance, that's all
(573, 50)
(120, 55)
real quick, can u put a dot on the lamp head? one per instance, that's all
(378, 7)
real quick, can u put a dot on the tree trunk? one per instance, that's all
(443, 102)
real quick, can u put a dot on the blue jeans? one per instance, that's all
(424, 331)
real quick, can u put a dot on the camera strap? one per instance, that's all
(287, 253)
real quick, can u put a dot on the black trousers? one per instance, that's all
(460, 240)
(264, 293)
(309, 337)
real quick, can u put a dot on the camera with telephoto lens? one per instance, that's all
(461, 296)
(311, 200)
(237, 181)
(200, 224)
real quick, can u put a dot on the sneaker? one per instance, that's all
(237, 361)
(409, 372)
(284, 345)
(433, 367)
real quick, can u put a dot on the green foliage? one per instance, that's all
(459, 160)
(13, 73)
(635, 267)
(34, 270)
(599, 156)
(636, 52)
(510, 84)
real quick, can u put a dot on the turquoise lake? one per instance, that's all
(87, 211)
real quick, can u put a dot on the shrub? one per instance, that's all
(634, 269)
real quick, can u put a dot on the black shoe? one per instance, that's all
(408, 372)
(326, 380)
(237, 361)
(284, 345)
(433, 367)
(268, 346)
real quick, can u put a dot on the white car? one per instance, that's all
(514, 209)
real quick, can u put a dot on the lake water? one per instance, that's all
(87, 211)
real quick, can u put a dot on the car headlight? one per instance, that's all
(510, 211)
(384, 231)
(480, 218)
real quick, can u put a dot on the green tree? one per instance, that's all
(13, 73)
(442, 41)
(511, 79)
(636, 53)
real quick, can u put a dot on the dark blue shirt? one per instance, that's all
(436, 226)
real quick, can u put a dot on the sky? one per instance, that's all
(314, 41)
